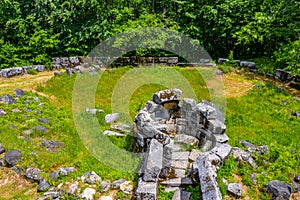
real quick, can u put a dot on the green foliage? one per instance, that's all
(32, 71)
(288, 57)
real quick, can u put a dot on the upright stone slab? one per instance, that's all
(153, 163)
(146, 190)
(167, 159)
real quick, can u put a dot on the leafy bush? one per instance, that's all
(32, 71)
(288, 57)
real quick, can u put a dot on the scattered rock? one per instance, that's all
(61, 172)
(88, 194)
(2, 150)
(90, 177)
(279, 190)
(18, 92)
(33, 175)
(105, 185)
(44, 120)
(40, 128)
(116, 184)
(7, 99)
(167, 95)
(93, 110)
(2, 112)
(253, 177)
(73, 188)
(121, 127)
(296, 114)
(17, 170)
(43, 186)
(235, 189)
(126, 187)
(52, 145)
(15, 110)
(13, 157)
(247, 144)
(110, 118)
(146, 190)
(113, 133)
(181, 195)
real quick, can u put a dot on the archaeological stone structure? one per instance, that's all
(184, 144)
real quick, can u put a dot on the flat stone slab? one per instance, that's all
(182, 155)
(222, 150)
(167, 95)
(180, 164)
(194, 155)
(179, 173)
(186, 139)
(146, 190)
(113, 133)
(176, 147)
(178, 182)
(181, 195)
(222, 138)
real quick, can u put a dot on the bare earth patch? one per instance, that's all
(236, 85)
(25, 82)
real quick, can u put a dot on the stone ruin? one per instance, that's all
(164, 129)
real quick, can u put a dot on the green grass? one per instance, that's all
(259, 117)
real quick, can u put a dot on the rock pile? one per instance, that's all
(160, 129)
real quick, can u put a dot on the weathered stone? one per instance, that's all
(182, 195)
(33, 175)
(167, 159)
(210, 113)
(146, 190)
(43, 186)
(40, 129)
(13, 157)
(179, 173)
(52, 145)
(167, 95)
(221, 138)
(188, 104)
(253, 177)
(178, 182)
(2, 150)
(183, 155)
(247, 144)
(222, 150)
(39, 68)
(73, 187)
(88, 194)
(113, 133)
(235, 189)
(17, 170)
(215, 126)
(2, 163)
(240, 154)
(93, 110)
(121, 127)
(176, 147)
(187, 139)
(74, 60)
(279, 190)
(44, 120)
(194, 154)
(105, 185)
(15, 110)
(283, 75)
(222, 60)
(247, 64)
(91, 177)
(297, 178)
(180, 164)
(18, 92)
(2, 112)
(61, 172)
(9, 72)
(126, 187)
(116, 184)
(7, 99)
(151, 106)
(153, 162)
(110, 118)
(171, 189)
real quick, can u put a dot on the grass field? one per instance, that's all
(255, 111)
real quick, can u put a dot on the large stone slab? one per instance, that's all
(180, 164)
(167, 95)
(182, 155)
(153, 162)
(186, 139)
(279, 190)
(222, 150)
(9, 72)
(215, 126)
(181, 195)
(167, 159)
(146, 190)
(178, 182)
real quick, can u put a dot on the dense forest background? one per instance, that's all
(33, 31)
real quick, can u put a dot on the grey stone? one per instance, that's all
(153, 162)
(215, 126)
(222, 60)
(247, 144)
(279, 190)
(248, 64)
(91, 177)
(15, 110)
(176, 147)
(88, 194)
(2, 112)
(167, 159)
(7, 99)
(253, 177)
(180, 164)
(17, 170)
(217, 112)
(284, 76)
(18, 92)
(222, 150)
(297, 178)
(296, 186)
(43, 186)
(44, 120)
(105, 185)
(2, 163)
(2, 150)
(188, 104)
(39, 68)
(181, 195)
(13, 157)
(167, 95)
(178, 182)
(113, 133)
(74, 60)
(146, 190)
(110, 118)
(93, 110)
(51, 194)
(9, 72)
(240, 154)
(40, 129)
(151, 106)
(73, 187)
(61, 172)
(221, 138)
(235, 189)
(186, 139)
(121, 127)
(52, 145)
(36, 99)
(126, 187)
(183, 155)
(179, 173)
(194, 154)
(116, 184)
(33, 174)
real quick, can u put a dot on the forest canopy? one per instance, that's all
(31, 32)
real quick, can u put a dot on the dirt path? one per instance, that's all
(25, 82)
